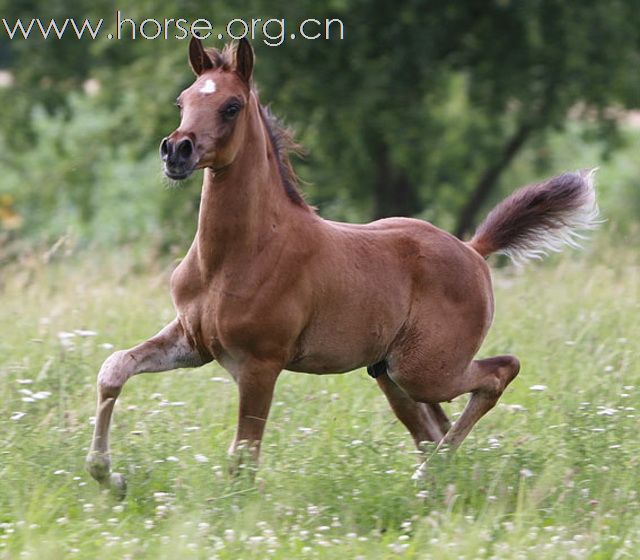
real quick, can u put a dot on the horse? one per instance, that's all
(267, 284)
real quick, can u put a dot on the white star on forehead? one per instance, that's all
(208, 87)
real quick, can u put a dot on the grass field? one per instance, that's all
(551, 472)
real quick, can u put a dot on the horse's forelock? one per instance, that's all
(221, 59)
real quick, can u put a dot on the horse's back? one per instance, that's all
(431, 257)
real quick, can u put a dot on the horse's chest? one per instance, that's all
(225, 319)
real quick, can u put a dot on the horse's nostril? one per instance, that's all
(184, 149)
(164, 148)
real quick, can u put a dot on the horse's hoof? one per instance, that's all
(118, 485)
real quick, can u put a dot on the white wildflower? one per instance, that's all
(65, 335)
(538, 387)
(85, 333)
(229, 535)
(605, 411)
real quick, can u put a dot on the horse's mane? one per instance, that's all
(283, 144)
(281, 137)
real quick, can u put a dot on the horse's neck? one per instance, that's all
(240, 204)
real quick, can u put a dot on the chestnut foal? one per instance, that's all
(267, 284)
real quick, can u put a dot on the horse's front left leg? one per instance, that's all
(256, 384)
(169, 349)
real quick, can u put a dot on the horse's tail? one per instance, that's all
(540, 218)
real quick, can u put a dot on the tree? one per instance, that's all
(418, 111)
(391, 93)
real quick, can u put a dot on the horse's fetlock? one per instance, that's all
(98, 465)
(243, 457)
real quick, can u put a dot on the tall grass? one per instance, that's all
(551, 472)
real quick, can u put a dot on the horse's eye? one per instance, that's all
(231, 111)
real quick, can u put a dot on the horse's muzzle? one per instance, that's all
(177, 157)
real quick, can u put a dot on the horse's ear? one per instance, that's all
(244, 60)
(198, 58)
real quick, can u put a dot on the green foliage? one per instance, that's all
(76, 180)
(404, 116)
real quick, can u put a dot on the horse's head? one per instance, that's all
(213, 111)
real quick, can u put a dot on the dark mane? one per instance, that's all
(280, 136)
(283, 143)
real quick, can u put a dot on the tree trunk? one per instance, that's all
(489, 179)
(395, 194)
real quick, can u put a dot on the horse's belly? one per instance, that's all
(341, 346)
(321, 363)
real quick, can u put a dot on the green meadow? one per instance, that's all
(551, 472)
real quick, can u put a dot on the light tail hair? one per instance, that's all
(540, 218)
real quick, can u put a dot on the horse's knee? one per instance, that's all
(113, 374)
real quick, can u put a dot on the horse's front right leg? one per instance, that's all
(256, 383)
(169, 349)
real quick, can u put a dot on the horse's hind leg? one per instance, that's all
(486, 380)
(169, 349)
(441, 417)
(425, 422)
